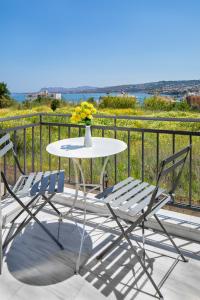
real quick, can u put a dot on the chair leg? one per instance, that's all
(22, 211)
(24, 223)
(143, 240)
(170, 238)
(125, 235)
(117, 241)
(49, 233)
(52, 205)
(1, 250)
(19, 228)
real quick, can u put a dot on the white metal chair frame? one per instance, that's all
(34, 186)
(142, 201)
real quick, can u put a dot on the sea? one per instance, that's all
(20, 97)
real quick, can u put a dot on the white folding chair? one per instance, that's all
(140, 200)
(24, 197)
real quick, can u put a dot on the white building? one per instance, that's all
(43, 94)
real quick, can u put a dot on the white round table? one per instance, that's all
(74, 149)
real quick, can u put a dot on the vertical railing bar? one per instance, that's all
(173, 143)
(59, 159)
(91, 166)
(157, 152)
(129, 169)
(79, 131)
(115, 156)
(33, 149)
(25, 150)
(69, 135)
(173, 151)
(102, 134)
(4, 170)
(15, 149)
(142, 156)
(80, 161)
(49, 143)
(102, 161)
(190, 173)
(40, 142)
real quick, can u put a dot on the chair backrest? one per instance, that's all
(6, 145)
(173, 164)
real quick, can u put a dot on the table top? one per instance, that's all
(74, 147)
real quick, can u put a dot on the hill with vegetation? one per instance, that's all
(178, 87)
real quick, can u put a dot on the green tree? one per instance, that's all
(55, 103)
(5, 99)
(4, 91)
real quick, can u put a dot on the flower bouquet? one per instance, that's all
(84, 114)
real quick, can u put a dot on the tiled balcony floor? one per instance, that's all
(35, 268)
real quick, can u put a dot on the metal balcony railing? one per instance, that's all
(146, 147)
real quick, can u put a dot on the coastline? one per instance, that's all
(76, 97)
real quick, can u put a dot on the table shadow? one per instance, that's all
(33, 258)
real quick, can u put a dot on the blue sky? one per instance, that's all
(97, 42)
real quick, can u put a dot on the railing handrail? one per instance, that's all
(101, 116)
(123, 128)
(105, 127)
(127, 117)
(19, 117)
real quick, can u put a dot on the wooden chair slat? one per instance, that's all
(44, 182)
(114, 188)
(138, 197)
(52, 182)
(139, 186)
(142, 204)
(35, 186)
(28, 184)
(4, 139)
(121, 191)
(61, 177)
(18, 183)
(5, 149)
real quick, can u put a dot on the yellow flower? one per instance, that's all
(72, 119)
(83, 116)
(90, 105)
(84, 103)
(77, 119)
(77, 109)
(87, 111)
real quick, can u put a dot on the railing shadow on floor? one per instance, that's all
(119, 273)
(162, 244)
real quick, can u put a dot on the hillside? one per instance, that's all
(179, 87)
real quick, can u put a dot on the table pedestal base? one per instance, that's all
(78, 170)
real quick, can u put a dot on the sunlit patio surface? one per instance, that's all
(35, 268)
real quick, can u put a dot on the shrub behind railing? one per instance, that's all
(117, 102)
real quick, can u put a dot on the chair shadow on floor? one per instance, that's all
(119, 273)
(33, 258)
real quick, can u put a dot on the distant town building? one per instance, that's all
(43, 94)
